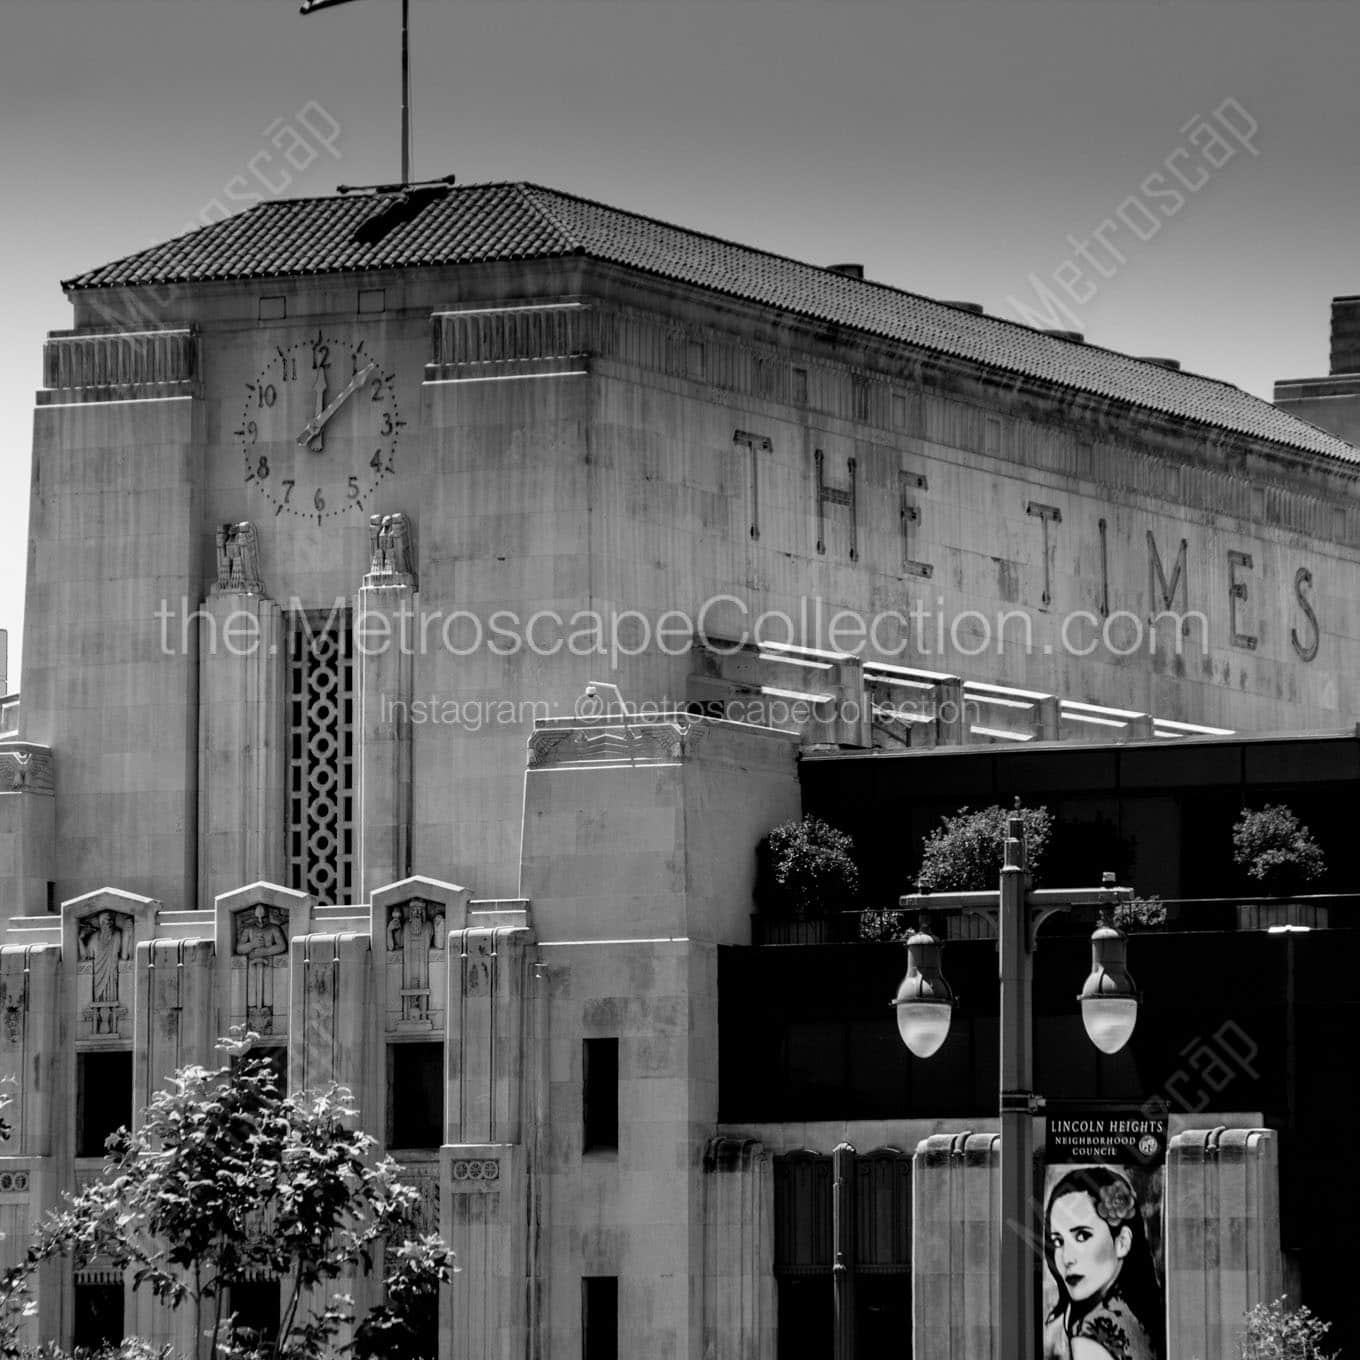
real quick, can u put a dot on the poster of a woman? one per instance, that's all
(1103, 1296)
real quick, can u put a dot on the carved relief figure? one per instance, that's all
(105, 941)
(238, 558)
(389, 545)
(260, 940)
(413, 934)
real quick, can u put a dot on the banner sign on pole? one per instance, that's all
(1103, 1179)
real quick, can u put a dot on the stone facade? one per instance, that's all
(271, 723)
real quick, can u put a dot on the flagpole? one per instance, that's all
(405, 91)
(311, 6)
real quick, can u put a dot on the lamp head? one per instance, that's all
(924, 1001)
(1109, 996)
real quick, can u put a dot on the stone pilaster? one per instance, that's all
(27, 828)
(384, 633)
(176, 1013)
(739, 1288)
(956, 1241)
(1222, 1235)
(242, 752)
(31, 1055)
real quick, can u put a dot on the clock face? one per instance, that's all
(319, 427)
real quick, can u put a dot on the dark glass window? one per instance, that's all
(600, 1317)
(600, 1094)
(103, 1099)
(875, 1223)
(415, 1095)
(256, 1305)
(98, 1315)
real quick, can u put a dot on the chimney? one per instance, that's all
(1345, 335)
(851, 271)
(1331, 401)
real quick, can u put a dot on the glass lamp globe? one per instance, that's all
(924, 1002)
(1109, 998)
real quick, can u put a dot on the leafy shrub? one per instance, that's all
(963, 854)
(1143, 913)
(1276, 850)
(806, 867)
(1274, 1331)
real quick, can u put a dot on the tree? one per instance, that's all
(226, 1181)
(1274, 1331)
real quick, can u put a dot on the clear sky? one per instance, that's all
(959, 148)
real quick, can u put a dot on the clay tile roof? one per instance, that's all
(491, 222)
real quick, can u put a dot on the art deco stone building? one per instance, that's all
(340, 506)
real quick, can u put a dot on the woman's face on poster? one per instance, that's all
(1086, 1256)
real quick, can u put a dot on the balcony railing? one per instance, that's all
(1245, 912)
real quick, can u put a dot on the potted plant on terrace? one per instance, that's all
(805, 870)
(964, 854)
(1277, 852)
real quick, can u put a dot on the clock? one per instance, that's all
(319, 428)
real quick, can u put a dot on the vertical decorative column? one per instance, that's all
(956, 1244)
(30, 1055)
(176, 1013)
(384, 636)
(1222, 1235)
(27, 828)
(241, 766)
(739, 1311)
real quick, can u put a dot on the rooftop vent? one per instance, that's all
(1160, 361)
(975, 307)
(851, 271)
(1076, 337)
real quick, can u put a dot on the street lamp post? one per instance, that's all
(1109, 1003)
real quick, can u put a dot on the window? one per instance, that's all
(600, 1095)
(320, 717)
(103, 1099)
(98, 1318)
(600, 1317)
(415, 1095)
(875, 1220)
(256, 1305)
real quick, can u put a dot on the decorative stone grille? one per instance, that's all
(321, 756)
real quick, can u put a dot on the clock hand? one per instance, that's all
(317, 443)
(323, 417)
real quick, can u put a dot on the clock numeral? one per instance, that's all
(353, 490)
(376, 461)
(252, 431)
(318, 501)
(377, 386)
(288, 365)
(266, 395)
(262, 468)
(387, 426)
(288, 484)
(321, 355)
